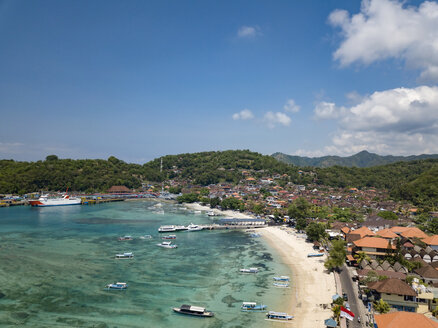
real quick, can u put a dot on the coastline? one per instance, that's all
(313, 286)
(226, 213)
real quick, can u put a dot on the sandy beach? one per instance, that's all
(228, 213)
(313, 286)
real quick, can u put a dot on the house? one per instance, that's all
(428, 273)
(374, 247)
(359, 234)
(404, 320)
(402, 297)
(432, 241)
(387, 234)
(119, 190)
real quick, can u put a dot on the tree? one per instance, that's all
(381, 306)
(315, 231)
(360, 256)
(388, 215)
(52, 158)
(336, 255)
(299, 209)
(301, 224)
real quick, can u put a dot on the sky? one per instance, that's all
(142, 79)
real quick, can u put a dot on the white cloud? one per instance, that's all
(388, 29)
(272, 119)
(291, 106)
(248, 31)
(396, 121)
(244, 114)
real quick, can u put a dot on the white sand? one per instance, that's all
(228, 213)
(312, 284)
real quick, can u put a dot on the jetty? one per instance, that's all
(224, 224)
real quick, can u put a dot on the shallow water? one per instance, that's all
(55, 262)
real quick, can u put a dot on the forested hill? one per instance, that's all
(362, 159)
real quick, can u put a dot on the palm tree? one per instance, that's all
(381, 306)
(360, 256)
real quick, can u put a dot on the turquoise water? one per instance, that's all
(55, 262)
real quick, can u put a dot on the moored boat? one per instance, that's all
(272, 315)
(169, 237)
(281, 284)
(167, 228)
(117, 285)
(126, 255)
(167, 244)
(146, 237)
(282, 278)
(193, 310)
(250, 270)
(125, 238)
(65, 200)
(315, 254)
(194, 227)
(252, 306)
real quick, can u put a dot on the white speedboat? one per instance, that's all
(279, 316)
(124, 238)
(252, 307)
(250, 270)
(167, 244)
(281, 284)
(194, 227)
(65, 200)
(126, 255)
(146, 237)
(117, 285)
(211, 213)
(282, 278)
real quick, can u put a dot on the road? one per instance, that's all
(347, 287)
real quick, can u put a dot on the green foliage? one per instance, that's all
(232, 204)
(388, 215)
(188, 198)
(337, 255)
(315, 231)
(372, 276)
(301, 224)
(215, 202)
(381, 306)
(360, 256)
(175, 190)
(299, 209)
(52, 158)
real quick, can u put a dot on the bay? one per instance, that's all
(55, 262)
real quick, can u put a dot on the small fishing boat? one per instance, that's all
(125, 255)
(193, 310)
(252, 306)
(315, 254)
(211, 213)
(271, 315)
(117, 285)
(281, 284)
(124, 238)
(255, 235)
(169, 237)
(146, 237)
(282, 278)
(167, 244)
(250, 270)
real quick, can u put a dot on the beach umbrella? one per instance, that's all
(330, 323)
(335, 297)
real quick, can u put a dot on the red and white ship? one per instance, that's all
(65, 200)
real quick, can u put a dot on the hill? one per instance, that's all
(361, 159)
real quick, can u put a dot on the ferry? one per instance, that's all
(193, 310)
(271, 315)
(65, 200)
(194, 227)
(124, 238)
(167, 244)
(180, 228)
(282, 278)
(252, 306)
(250, 270)
(167, 228)
(117, 285)
(169, 237)
(125, 255)
(281, 284)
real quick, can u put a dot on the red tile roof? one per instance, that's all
(373, 242)
(386, 233)
(402, 319)
(432, 240)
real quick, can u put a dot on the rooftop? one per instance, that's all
(392, 286)
(373, 242)
(402, 319)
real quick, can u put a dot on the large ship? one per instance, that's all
(44, 200)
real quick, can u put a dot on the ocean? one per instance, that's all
(56, 261)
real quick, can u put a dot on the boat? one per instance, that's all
(169, 237)
(146, 237)
(252, 306)
(315, 254)
(281, 284)
(167, 228)
(197, 212)
(65, 200)
(124, 238)
(125, 255)
(194, 227)
(117, 285)
(167, 244)
(282, 278)
(211, 213)
(279, 316)
(250, 270)
(255, 235)
(193, 310)
(180, 228)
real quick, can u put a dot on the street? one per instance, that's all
(349, 289)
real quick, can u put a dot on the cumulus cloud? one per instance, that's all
(396, 121)
(389, 29)
(244, 114)
(291, 106)
(248, 31)
(273, 119)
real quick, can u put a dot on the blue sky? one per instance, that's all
(143, 79)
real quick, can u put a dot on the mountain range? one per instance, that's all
(361, 159)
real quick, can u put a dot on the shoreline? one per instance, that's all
(312, 286)
(226, 213)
